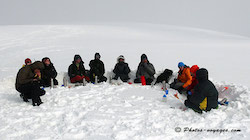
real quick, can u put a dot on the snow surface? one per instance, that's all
(106, 111)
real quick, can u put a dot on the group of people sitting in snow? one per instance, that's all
(201, 93)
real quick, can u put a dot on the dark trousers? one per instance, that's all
(176, 85)
(100, 78)
(123, 77)
(47, 82)
(148, 81)
(32, 91)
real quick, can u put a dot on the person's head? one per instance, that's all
(46, 61)
(28, 61)
(77, 59)
(97, 56)
(121, 58)
(144, 58)
(202, 74)
(181, 65)
(193, 70)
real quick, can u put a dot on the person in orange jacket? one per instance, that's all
(193, 70)
(183, 80)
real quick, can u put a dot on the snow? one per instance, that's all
(107, 111)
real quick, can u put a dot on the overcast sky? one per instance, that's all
(231, 16)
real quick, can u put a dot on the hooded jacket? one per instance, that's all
(26, 74)
(205, 94)
(49, 71)
(73, 70)
(193, 70)
(145, 69)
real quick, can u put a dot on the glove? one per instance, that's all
(189, 93)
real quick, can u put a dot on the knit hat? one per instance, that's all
(45, 58)
(97, 56)
(181, 64)
(27, 60)
(194, 68)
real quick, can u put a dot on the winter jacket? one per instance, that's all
(49, 72)
(185, 77)
(145, 69)
(73, 70)
(26, 74)
(97, 67)
(121, 70)
(205, 94)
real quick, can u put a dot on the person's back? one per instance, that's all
(205, 95)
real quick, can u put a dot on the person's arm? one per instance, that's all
(127, 69)
(189, 78)
(150, 68)
(198, 96)
(71, 71)
(115, 70)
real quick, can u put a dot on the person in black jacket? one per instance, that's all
(48, 73)
(76, 70)
(121, 69)
(205, 96)
(145, 69)
(97, 69)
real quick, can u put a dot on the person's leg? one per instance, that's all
(177, 85)
(149, 81)
(55, 82)
(76, 79)
(102, 79)
(192, 106)
(137, 80)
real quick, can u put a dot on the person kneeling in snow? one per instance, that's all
(121, 69)
(76, 70)
(97, 69)
(48, 73)
(145, 69)
(27, 83)
(183, 80)
(205, 95)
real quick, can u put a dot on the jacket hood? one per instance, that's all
(194, 69)
(37, 65)
(144, 56)
(202, 74)
(77, 57)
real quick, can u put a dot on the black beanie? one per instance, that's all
(144, 56)
(97, 55)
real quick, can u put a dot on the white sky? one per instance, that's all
(231, 16)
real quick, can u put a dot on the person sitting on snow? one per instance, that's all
(205, 95)
(183, 80)
(121, 69)
(97, 69)
(27, 83)
(146, 69)
(27, 61)
(193, 71)
(76, 70)
(48, 73)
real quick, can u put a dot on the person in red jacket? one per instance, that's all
(193, 70)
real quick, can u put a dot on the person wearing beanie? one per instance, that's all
(205, 95)
(193, 70)
(121, 69)
(27, 61)
(146, 69)
(76, 70)
(48, 73)
(97, 69)
(183, 80)
(27, 83)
